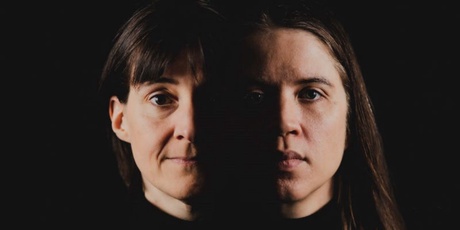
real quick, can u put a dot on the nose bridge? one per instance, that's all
(288, 114)
(185, 121)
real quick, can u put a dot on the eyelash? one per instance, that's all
(162, 99)
(257, 97)
(254, 97)
(305, 94)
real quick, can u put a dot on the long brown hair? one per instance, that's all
(363, 190)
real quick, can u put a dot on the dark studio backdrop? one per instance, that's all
(409, 54)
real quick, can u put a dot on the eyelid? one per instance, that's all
(158, 88)
(255, 90)
(319, 94)
(254, 96)
(163, 92)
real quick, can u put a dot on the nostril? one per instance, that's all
(291, 132)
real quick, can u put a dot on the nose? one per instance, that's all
(289, 117)
(185, 123)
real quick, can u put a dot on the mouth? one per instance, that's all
(183, 160)
(187, 156)
(289, 160)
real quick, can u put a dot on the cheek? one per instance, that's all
(328, 133)
(335, 140)
(147, 142)
(334, 121)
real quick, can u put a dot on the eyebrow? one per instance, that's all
(303, 81)
(314, 80)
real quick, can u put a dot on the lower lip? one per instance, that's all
(183, 161)
(289, 164)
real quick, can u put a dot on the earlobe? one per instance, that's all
(116, 113)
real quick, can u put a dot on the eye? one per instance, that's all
(309, 94)
(254, 98)
(162, 99)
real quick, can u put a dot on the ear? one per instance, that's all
(116, 109)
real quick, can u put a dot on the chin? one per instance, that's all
(289, 190)
(188, 189)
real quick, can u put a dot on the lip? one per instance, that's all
(290, 160)
(183, 160)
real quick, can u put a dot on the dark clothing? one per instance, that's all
(327, 218)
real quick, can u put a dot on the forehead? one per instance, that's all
(285, 54)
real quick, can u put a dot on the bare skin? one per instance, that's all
(158, 121)
(306, 87)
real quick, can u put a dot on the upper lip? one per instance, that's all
(291, 155)
(188, 154)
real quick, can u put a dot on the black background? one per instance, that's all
(409, 53)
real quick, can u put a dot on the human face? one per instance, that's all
(295, 99)
(158, 120)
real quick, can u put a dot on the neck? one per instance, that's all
(175, 207)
